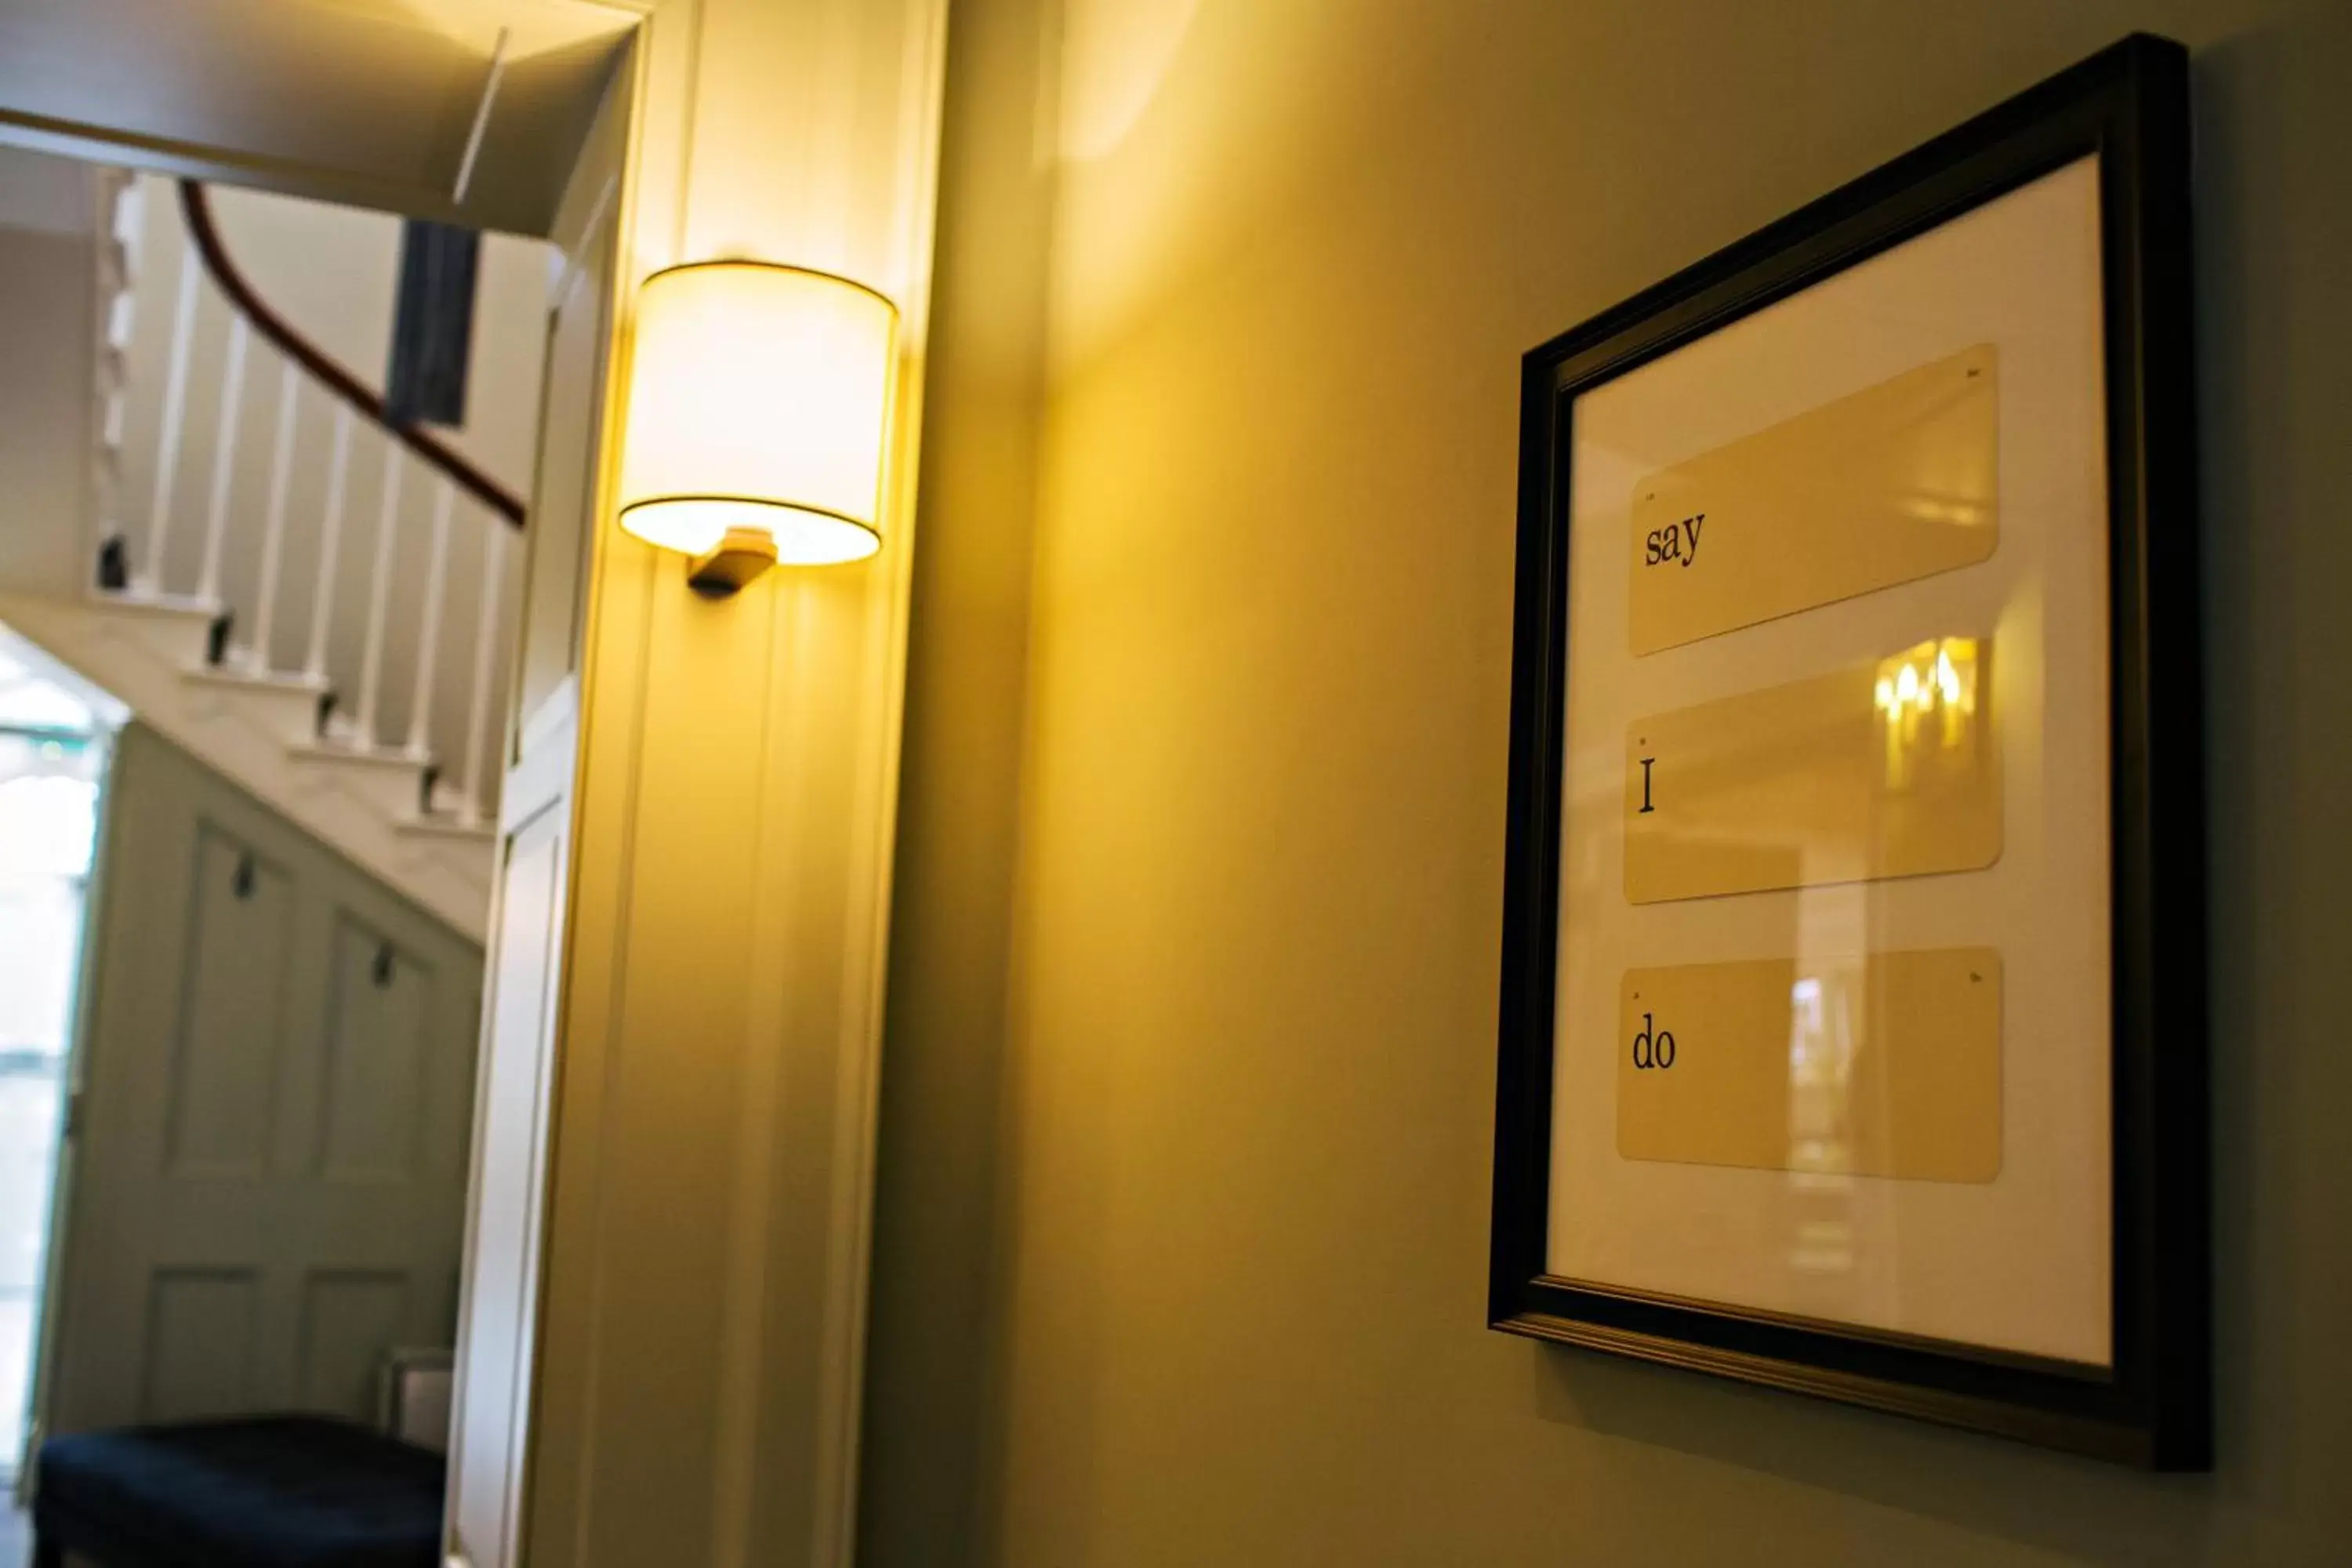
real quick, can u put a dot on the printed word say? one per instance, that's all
(1675, 542)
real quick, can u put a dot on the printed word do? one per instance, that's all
(1654, 1049)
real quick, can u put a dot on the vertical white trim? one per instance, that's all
(428, 636)
(785, 1150)
(485, 629)
(331, 535)
(379, 593)
(273, 535)
(224, 454)
(175, 406)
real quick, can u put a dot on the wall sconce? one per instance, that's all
(759, 406)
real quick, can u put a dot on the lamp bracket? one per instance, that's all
(740, 556)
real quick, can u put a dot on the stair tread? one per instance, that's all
(333, 750)
(445, 825)
(155, 604)
(231, 674)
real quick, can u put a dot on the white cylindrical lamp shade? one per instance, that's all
(759, 401)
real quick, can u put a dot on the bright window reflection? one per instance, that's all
(51, 760)
(48, 824)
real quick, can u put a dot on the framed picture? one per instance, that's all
(1853, 1007)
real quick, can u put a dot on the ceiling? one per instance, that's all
(372, 102)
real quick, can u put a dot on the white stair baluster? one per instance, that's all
(176, 406)
(330, 536)
(120, 316)
(486, 631)
(379, 592)
(273, 536)
(225, 454)
(130, 214)
(428, 636)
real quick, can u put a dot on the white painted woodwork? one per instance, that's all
(119, 318)
(175, 404)
(273, 533)
(563, 515)
(287, 706)
(255, 722)
(387, 530)
(150, 654)
(489, 1433)
(268, 1171)
(428, 640)
(491, 599)
(274, 504)
(232, 410)
(698, 1370)
(126, 214)
(491, 1448)
(330, 539)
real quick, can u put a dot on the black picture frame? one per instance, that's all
(2152, 1408)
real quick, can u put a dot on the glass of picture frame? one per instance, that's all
(1851, 1018)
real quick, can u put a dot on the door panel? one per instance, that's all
(379, 1010)
(224, 1061)
(200, 1339)
(269, 1182)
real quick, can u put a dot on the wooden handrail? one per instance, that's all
(197, 206)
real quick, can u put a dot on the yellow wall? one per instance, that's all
(1182, 1221)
